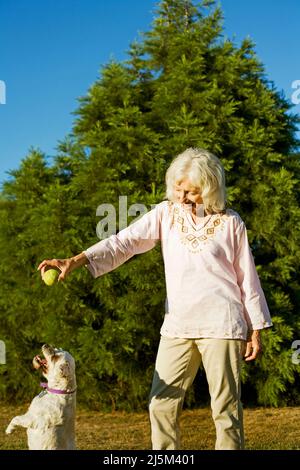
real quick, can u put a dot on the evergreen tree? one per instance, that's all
(194, 89)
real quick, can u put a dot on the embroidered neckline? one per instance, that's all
(196, 238)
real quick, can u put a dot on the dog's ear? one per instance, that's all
(65, 369)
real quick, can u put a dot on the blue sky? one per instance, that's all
(51, 51)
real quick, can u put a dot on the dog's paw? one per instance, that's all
(9, 429)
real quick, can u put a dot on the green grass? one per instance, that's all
(265, 429)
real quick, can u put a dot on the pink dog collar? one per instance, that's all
(54, 390)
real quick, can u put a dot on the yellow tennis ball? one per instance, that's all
(50, 276)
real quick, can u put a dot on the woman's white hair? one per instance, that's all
(205, 171)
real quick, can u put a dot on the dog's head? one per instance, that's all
(58, 366)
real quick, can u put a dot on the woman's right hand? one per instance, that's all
(65, 266)
(62, 265)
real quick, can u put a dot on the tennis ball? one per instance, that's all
(50, 276)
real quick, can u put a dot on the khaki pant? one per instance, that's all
(177, 363)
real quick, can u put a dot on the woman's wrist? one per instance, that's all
(252, 334)
(78, 261)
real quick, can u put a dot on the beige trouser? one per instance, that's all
(177, 363)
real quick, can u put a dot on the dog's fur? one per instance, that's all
(50, 419)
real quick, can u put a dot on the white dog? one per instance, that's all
(50, 419)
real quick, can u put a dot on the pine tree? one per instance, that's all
(195, 89)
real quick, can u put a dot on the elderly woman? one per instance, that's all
(215, 306)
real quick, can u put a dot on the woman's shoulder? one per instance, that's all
(232, 213)
(161, 206)
(164, 205)
(160, 209)
(234, 217)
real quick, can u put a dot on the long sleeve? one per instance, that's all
(255, 306)
(139, 237)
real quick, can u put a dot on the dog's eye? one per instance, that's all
(65, 369)
(55, 357)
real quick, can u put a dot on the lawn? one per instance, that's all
(265, 428)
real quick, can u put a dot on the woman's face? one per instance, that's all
(186, 193)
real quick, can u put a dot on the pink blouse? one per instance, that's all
(213, 289)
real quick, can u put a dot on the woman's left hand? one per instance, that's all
(254, 346)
